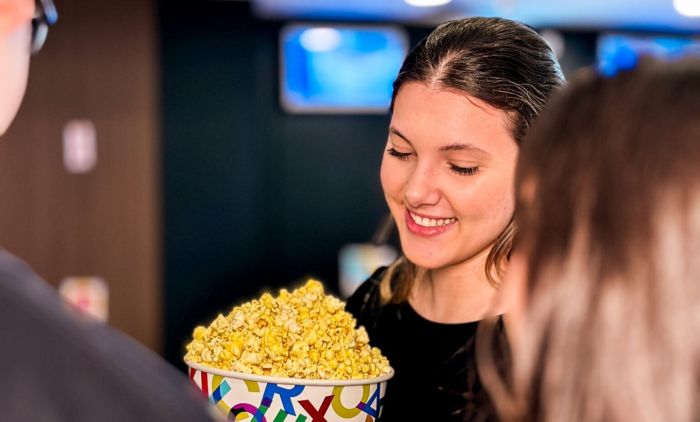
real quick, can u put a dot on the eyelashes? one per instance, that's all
(403, 156)
(462, 171)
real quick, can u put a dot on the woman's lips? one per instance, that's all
(424, 226)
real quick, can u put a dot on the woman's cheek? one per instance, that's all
(391, 177)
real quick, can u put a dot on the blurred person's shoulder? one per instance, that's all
(57, 366)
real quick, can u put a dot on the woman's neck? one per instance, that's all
(455, 294)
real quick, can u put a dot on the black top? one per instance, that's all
(436, 376)
(57, 367)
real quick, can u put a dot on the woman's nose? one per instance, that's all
(421, 188)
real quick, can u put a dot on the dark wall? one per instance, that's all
(254, 197)
(579, 52)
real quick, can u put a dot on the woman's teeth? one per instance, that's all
(431, 222)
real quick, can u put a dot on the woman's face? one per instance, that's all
(447, 174)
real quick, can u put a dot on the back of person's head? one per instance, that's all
(499, 61)
(609, 220)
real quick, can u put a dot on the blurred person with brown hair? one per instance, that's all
(55, 366)
(462, 103)
(605, 278)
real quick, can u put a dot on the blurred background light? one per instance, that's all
(618, 52)
(339, 70)
(320, 39)
(640, 15)
(427, 3)
(690, 8)
(79, 146)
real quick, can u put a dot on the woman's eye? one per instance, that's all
(400, 155)
(464, 171)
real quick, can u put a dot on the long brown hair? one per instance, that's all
(499, 61)
(609, 218)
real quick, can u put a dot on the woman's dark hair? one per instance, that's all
(501, 62)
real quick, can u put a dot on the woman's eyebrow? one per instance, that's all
(465, 147)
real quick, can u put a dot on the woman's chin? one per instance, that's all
(428, 263)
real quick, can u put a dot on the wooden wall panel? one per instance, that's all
(100, 63)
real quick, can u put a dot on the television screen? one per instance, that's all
(622, 51)
(339, 69)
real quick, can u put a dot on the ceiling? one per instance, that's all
(655, 15)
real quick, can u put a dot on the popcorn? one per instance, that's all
(302, 334)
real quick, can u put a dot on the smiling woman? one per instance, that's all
(462, 103)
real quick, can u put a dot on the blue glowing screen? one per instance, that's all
(621, 52)
(340, 68)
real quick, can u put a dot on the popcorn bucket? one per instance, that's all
(248, 397)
